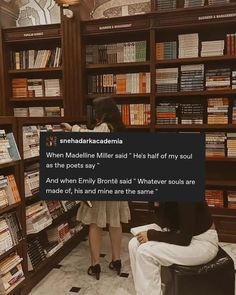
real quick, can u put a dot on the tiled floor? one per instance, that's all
(71, 278)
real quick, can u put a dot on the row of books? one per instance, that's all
(31, 135)
(23, 87)
(166, 5)
(216, 112)
(215, 198)
(39, 250)
(12, 273)
(8, 148)
(188, 46)
(135, 114)
(194, 78)
(10, 231)
(116, 53)
(31, 59)
(119, 83)
(9, 193)
(53, 111)
(221, 144)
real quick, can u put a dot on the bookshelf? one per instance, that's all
(11, 211)
(38, 237)
(208, 34)
(33, 71)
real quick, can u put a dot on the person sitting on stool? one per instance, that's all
(190, 238)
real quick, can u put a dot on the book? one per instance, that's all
(139, 229)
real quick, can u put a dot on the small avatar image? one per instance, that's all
(51, 141)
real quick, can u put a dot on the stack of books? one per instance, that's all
(193, 3)
(19, 87)
(188, 45)
(9, 193)
(35, 87)
(14, 227)
(37, 217)
(215, 144)
(32, 180)
(55, 111)
(231, 44)
(163, 5)
(166, 50)
(55, 208)
(135, 114)
(59, 233)
(217, 111)
(167, 80)
(192, 77)
(35, 254)
(30, 141)
(215, 198)
(11, 273)
(67, 205)
(191, 113)
(21, 112)
(231, 144)
(218, 79)
(52, 87)
(8, 148)
(213, 48)
(166, 113)
(231, 198)
(36, 111)
(233, 84)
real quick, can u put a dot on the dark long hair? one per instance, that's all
(106, 111)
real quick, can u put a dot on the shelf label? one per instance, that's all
(119, 26)
(124, 166)
(217, 16)
(33, 34)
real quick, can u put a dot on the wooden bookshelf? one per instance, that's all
(211, 23)
(33, 277)
(9, 125)
(33, 54)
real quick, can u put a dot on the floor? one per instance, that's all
(70, 276)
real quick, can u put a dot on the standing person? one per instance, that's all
(113, 213)
(190, 239)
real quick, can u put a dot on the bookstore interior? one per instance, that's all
(170, 66)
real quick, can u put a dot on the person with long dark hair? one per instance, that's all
(186, 236)
(113, 213)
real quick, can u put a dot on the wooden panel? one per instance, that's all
(73, 80)
(197, 16)
(117, 24)
(32, 33)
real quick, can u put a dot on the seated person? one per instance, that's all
(190, 239)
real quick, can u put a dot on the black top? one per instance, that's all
(184, 220)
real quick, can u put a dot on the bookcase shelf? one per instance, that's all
(118, 96)
(181, 61)
(9, 164)
(35, 70)
(196, 93)
(197, 127)
(14, 248)
(126, 65)
(32, 99)
(9, 208)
